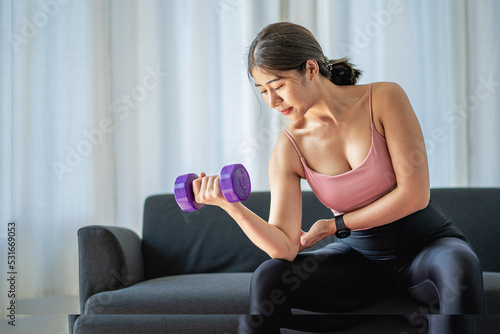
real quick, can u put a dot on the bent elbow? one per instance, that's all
(420, 201)
(284, 254)
(425, 201)
(425, 198)
(287, 257)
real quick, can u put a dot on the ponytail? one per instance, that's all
(342, 72)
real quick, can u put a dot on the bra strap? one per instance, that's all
(370, 102)
(293, 142)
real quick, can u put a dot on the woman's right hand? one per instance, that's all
(302, 247)
(321, 229)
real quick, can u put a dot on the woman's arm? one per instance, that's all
(280, 238)
(409, 160)
(393, 115)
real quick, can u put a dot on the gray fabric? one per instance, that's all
(207, 240)
(476, 212)
(375, 324)
(492, 292)
(487, 324)
(71, 322)
(110, 258)
(393, 305)
(195, 259)
(204, 241)
(156, 323)
(226, 293)
(227, 324)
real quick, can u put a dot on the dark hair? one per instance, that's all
(286, 46)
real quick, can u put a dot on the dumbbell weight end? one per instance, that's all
(183, 193)
(235, 183)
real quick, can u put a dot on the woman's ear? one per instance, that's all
(312, 69)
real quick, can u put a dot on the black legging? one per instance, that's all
(432, 262)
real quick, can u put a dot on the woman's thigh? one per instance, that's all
(447, 276)
(331, 279)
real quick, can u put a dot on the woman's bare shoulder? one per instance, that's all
(284, 156)
(387, 91)
(388, 97)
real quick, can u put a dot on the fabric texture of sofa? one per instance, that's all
(190, 272)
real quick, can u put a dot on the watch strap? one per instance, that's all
(342, 231)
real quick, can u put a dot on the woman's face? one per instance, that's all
(285, 91)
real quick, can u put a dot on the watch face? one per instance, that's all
(343, 233)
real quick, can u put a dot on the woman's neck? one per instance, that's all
(333, 101)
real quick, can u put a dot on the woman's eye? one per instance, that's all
(265, 91)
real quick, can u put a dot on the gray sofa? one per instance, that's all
(190, 272)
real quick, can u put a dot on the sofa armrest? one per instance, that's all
(110, 258)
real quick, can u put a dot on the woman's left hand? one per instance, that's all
(320, 230)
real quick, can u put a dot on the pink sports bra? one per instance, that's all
(366, 183)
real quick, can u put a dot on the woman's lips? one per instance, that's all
(286, 111)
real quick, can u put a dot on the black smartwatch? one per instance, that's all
(342, 231)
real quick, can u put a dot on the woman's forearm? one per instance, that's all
(280, 238)
(387, 209)
(267, 237)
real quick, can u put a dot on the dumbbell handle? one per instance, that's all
(234, 183)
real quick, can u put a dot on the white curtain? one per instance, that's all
(105, 102)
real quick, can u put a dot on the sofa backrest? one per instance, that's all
(476, 212)
(208, 240)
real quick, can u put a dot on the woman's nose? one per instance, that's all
(274, 100)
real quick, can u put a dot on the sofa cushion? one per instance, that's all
(208, 240)
(476, 212)
(492, 292)
(156, 323)
(228, 324)
(226, 293)
(203, 241)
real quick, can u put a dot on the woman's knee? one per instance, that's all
(275, 281)
(457, 273)
(285, 275)
(269, 273)
(458, 263)
(268, 294)
(267, 284)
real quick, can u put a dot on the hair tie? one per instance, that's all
(328, 64)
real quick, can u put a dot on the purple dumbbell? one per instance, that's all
(234, 184)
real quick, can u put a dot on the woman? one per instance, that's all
(361, 149)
